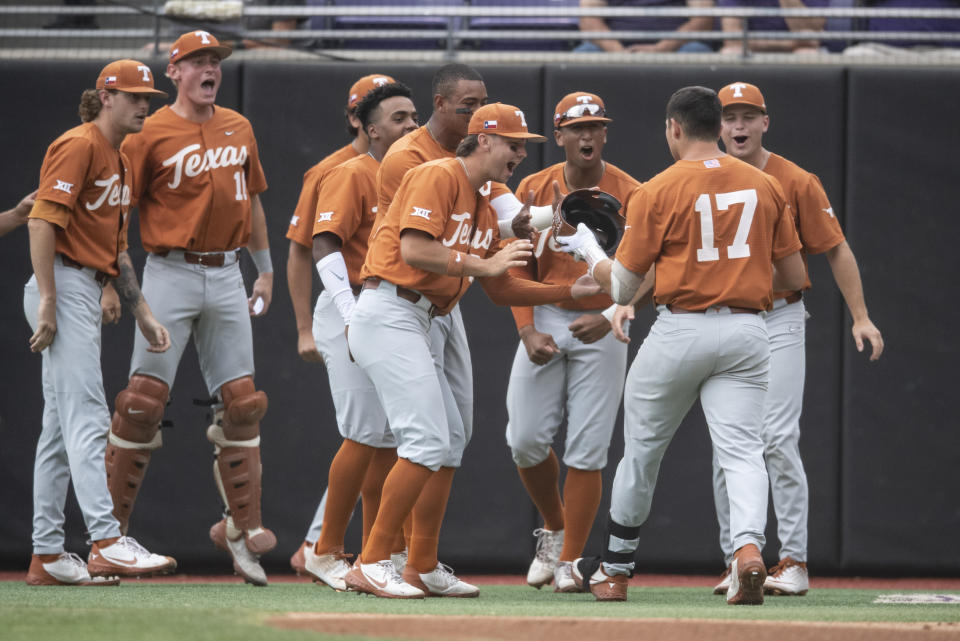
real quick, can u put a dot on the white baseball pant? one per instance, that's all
(209, 303)
(586, 380)
(723, 358)
(786, 325)
(390, 340)
(359, 415)
(73, 438)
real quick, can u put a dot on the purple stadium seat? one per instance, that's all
(395, 22)
(563, 25)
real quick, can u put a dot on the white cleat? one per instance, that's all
(563, 578)
(549, 546)
(67, 569)
(440, 582)
(381, 579)
(245, 562)
(724, 585)
(126, 557)
(787, 578)
(329, 569)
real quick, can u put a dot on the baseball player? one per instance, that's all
(197, 178)
(77, 244)
(458, 91)
(13, 218)
(300, 274)
(438, 235)
(745, 120)
(712, 225)
(346, 211)
(567, 359)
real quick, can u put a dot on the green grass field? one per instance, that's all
(234, 612)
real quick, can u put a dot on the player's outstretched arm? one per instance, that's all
(259, 248)
(128, 289)
(13, 218)
(846, 273)
(43, 239)
(423, 251)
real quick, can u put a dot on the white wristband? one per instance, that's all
(261, 258)
(333, 274)
(608, 313)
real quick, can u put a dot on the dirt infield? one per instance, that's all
(475, 628)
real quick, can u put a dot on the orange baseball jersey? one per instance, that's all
(301, 224)
(712, 227)
(412, 150)
(347, 207)
(90, 181)
(550, 264)
(437, 198)
(193, 181)
(813, 215)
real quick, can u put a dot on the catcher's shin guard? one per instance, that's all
(134, 434)
(235, 433)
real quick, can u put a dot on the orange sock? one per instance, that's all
(427, 519)
(380, 465)
(347, 472)
(581, 499)
(400, 492)
(543, 485)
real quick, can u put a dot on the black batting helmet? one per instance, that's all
(599, 211)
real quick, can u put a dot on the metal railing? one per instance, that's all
(153, 24)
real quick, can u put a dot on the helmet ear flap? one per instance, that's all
(599, 211)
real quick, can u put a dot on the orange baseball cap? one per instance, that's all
(130, 76)
(194, 41)
(579, 107)
(742, 93)
(502, 120)
(364, 86)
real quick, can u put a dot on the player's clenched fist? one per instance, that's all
(540, 346)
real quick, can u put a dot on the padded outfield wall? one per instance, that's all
(880, 441)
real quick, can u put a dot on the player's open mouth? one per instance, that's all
(208, 85)
(586, 151)
(740, 139)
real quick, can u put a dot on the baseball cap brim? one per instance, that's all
(525, 136)
(574, 121)
(745, 103)
(223, 52)
(146, 90)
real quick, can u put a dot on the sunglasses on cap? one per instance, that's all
(579, 111)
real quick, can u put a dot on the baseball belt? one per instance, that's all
(733, 310)
(207, 259)
(99, 276)
(403, 292)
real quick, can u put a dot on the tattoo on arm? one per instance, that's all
(128, 289)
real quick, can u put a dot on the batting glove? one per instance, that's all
(583, 246)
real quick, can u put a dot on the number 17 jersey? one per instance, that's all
(712, 227)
